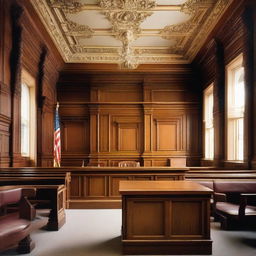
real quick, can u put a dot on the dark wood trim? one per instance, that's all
(16, 12)
(250, 106)
(219, 104)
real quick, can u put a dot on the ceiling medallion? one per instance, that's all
(126, 17)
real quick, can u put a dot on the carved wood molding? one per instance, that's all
(40, 77)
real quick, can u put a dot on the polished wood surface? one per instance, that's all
(161, 187)
(165, 217)
(98, 187)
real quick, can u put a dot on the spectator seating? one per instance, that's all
(18, 219)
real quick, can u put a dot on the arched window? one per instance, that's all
(28, 117)
(235, 109)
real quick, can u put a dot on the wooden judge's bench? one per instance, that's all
(165, 217)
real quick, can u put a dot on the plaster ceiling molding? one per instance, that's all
(191, 6)
(199, 39)
(129, 32)
(69, 6)
(75, 29)
(178, 29)
(126, 17)
(84, 49)
(52, 27)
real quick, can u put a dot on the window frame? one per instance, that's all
(234, 114)
(207, 123)
(30, 82)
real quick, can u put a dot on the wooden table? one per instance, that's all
(165, 217)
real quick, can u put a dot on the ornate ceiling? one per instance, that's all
(129, 32)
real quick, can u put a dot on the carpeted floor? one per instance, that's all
(97, 233)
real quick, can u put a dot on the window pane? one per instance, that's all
(208, 123)
(239, 88)
(236, 102)
(240, 135)
(25, 112)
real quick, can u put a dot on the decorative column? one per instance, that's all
(219, 105)
(148, 135)
(94, 134)
(15, 63)
(40, 102)
(249, 21)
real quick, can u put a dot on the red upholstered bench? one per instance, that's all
(235, 203)
(16, 223)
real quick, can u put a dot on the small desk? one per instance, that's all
(165, 217)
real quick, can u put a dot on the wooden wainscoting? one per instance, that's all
(144, 117)
(98, 187)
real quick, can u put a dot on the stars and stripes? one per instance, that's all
(57, 142)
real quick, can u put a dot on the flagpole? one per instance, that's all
(57, 138)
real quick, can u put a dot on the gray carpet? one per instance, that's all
(97, 233)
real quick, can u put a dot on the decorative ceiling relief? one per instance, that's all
(69, 6)
(78, 30)
(126, 17)
(129, 32)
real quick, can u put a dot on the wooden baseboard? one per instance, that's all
(168, 247)
(95, 204)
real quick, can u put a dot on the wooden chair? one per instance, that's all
(128, 164)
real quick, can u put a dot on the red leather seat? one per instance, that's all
(235, 203)
(16, 225)
(233, 209)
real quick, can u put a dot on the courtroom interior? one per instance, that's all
(143, 111)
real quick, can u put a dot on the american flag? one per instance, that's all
(57, 145)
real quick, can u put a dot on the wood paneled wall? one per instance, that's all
(112, 116)
(230, 38)
(25, 44)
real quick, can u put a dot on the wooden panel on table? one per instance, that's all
(167, 217)
(186, 219)
(146, 219)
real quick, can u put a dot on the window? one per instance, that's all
(25, 118)
(235, 110)
(208, 123)
(28, 116)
